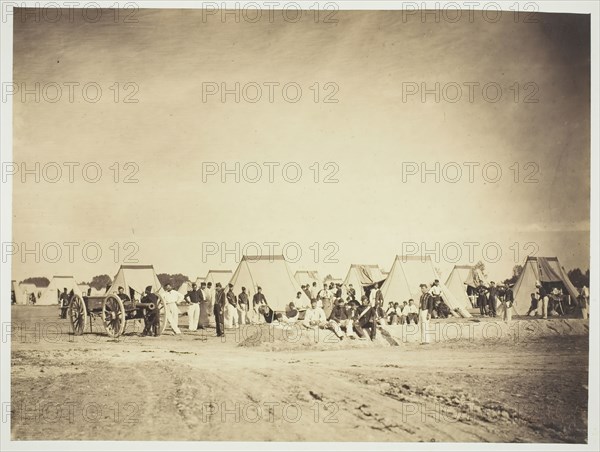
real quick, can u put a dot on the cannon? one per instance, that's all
(114, 313)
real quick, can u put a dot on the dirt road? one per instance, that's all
(199, 387)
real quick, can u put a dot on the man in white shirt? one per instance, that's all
(315, 318)
(412, 312)
(171, 298)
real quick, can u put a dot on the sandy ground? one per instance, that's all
(267, 385)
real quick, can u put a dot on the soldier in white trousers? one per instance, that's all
(171, 298)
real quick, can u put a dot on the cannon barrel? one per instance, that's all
(150, 306)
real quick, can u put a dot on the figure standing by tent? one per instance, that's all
(231, 312)
(482, 301)
(507, 301)
(426, 307)
(63, 300)
(204, 308)
(210, 297)
(194, 297)
(543, 298)
(492, 299)
(171, 298)
(219, 310)
(584, 298)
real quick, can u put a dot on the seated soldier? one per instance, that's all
(315, 318)
(392, 314)
(122, 295)
(291, 313)
(339, 318)
(413, 312)
(367, 315)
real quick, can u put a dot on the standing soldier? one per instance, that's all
(425, 310)
(204, 308)
(219, 310)
(509, 299)
(243, 306)
(194, 297)
(63, 300)
(151, 327)
(492, 296)
(172, 297)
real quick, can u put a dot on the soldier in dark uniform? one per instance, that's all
(219, 310)
(122, 295)
(64, 303)
(367, 318)
(151, 318)
(493, 293)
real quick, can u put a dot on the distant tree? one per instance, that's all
(578, 278)
(100, 282)
(39, 281)
(175, 280)
(516, 272)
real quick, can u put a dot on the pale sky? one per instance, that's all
(370, 213)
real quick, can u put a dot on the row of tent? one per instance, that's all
(280, 285)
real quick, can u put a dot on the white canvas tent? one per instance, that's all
(218, 276)
(135, 278)
(363, 276)
(549, 272)
(56, 286)
(84, 288)
(29, 288)
(308, 277)
(462, 279)
(20, 294)
(199, 281)
(405, 277)
(274, 276)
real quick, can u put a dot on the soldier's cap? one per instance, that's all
(121, 288)
(259, 288)
(230, 285)
(148, 288)
(437, 280)
(298, 293)
(194, 285)
(423, 285)
(243, 288)
(218, 284)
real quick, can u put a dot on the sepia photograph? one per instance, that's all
(326, 225)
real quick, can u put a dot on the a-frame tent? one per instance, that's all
(218, 276)
(29, 289)
(464, 279)
(406, 276)
(134, 279)
(185, 287)
(274, 276)
(55, 288)
(549, 272)
(308, 277)
(20, 294)
(363, 277)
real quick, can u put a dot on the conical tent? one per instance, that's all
(84, 288)
(274, 276)
(135, 278)
(549, 272)
(362, 277)
(406, 276)
(463, 277)
(56, 286)
(218, 276)
(308, 277)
